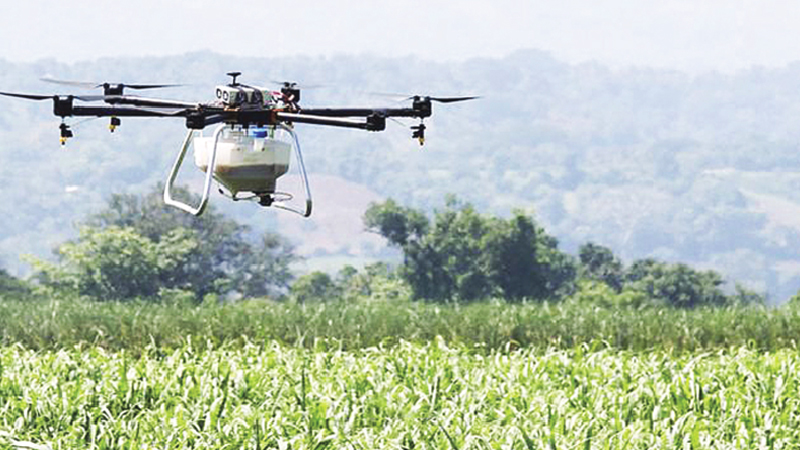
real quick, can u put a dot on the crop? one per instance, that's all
(408, 396)
(495, 325)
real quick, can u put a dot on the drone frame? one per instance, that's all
(280, 114)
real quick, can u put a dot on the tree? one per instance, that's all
(315, 286)
(227, 257)
(396, 223)
(677, 284)
(465, 256)
(265, 267)
(523, 261)
(116, 263)
(598, 263)
(10, 285)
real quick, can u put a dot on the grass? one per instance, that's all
(377, 373)
(63, 323)
(407, 396)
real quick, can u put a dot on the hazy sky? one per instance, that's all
(691, 35)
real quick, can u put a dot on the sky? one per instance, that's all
(687, 35)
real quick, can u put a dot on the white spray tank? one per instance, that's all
(247, 160)
(242, 160)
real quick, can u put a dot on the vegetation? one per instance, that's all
(432, 396)
(678, 284)
(118, 263)
(593, 316)
(12, 286)
(574, 352)
(137, 246)
(598, 263)
(466, 256)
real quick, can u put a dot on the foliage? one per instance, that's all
(225, 258)
(465, 256)
(600, 264)
(265, 268)
(677, 284)
(595, 316)
(115, 263)
(597, 294)
(12, 286)
(745, 296)
(315, 286)
(378, 281)
(431, 396)
(400, 225)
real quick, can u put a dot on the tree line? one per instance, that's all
(138, 248)
(463, 255)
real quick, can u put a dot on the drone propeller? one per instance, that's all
(95, 85)
(82, 84)
(27, 96)
(108, 88)
(288, 84)
(37, 97)
(298, 85)
(405, 97)
(148, 86)
(451, 99)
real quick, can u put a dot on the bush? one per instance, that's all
(116, 263)
(315, 286)
(227, 258)
(11, 286)
(677, 284)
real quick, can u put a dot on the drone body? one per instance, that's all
(253, 138)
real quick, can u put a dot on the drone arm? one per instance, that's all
(373, 123)
(366, 112)
(121, 111)
(143, 101)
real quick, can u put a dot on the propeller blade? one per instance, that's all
(453, 99)
(433, 99)
(284, 83)
(296, 85)
(390, 94)
(151, 86)
(94, 85)
(89, 98)
(83, 84)
(28, 96)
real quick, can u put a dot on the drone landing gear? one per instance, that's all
(279, 198)
(195, 211)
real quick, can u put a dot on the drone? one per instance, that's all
(253, 136)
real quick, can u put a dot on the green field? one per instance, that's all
(369, 322)
(395, 374)
(408, 396)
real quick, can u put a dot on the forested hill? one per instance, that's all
(699, 169)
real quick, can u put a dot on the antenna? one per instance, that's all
(234, 75)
